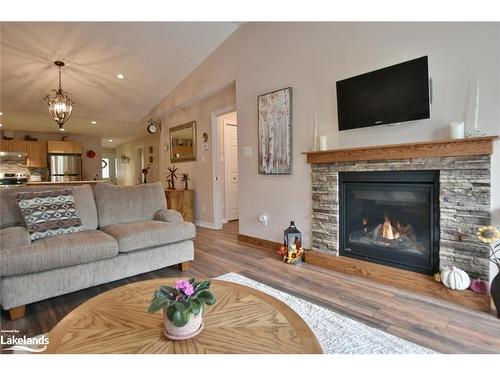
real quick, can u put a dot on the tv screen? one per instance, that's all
(394, 94)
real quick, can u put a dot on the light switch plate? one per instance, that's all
(247, 151)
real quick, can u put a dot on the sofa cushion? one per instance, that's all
(49, 213)
(150, 233)
(10, 215)
(128, 204)
(57, 252)
(14, 237)
(169, 216)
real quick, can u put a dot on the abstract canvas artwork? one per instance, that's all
(275, 132)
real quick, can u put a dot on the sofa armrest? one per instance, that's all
(14, 237)
(169, 216)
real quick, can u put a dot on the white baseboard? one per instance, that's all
(206, 224)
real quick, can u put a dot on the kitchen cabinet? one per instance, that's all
(64, 147)
(13, 145)
(73, 148)
(4, 145)
(36, 151)
(18, 146)
(37, 154)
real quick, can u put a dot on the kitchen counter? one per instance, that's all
(90, 182)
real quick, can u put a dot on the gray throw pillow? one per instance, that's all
(48, 213)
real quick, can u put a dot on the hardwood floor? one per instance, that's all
(427, 321)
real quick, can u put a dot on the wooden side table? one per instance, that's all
(182, 201)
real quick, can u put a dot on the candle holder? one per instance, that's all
(474, 133)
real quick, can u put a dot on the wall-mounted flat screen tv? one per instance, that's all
(394, 94)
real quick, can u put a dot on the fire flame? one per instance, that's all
(388, 231)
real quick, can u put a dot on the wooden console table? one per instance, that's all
(182, 201)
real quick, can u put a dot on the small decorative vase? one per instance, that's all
(192, 328)
(495, 292)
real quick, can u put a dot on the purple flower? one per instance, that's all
(184, 286)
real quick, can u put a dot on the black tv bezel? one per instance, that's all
(395, 119)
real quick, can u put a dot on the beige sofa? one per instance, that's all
(128, 231)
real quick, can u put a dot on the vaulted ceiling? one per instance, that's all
(153, 56)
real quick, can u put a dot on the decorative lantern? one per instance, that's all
(292, 236)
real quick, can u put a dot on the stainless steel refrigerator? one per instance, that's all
(65, 167)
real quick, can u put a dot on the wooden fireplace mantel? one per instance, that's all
(429, 149)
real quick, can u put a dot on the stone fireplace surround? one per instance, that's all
(464, 200)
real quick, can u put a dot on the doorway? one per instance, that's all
(225, 166)
(109, 167)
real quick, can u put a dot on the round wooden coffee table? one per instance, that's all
(243, 320)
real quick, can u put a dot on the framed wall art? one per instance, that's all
(275, 132)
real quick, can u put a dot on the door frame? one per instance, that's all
(216, 185)
(139, 152)
(225, 219)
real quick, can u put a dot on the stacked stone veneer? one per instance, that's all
(464, 205)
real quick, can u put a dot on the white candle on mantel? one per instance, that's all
(315, 144)
(323, 143)
(476, 109)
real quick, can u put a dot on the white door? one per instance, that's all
(231, 170)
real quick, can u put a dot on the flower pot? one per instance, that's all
(495, 292)
(192, 328)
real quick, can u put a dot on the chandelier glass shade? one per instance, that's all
(60, 105)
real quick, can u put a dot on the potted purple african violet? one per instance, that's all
(183, 306)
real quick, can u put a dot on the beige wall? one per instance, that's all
(108, 151)
(201, 169)
(90, 167)
(311, 57)
(129, 174)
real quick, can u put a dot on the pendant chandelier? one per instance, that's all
(59, 103)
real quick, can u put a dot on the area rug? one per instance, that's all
(336, 333)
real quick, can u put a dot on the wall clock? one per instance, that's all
(153, 127)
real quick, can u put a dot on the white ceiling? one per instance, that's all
(153, 56)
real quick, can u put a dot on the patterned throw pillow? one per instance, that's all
(48, 213)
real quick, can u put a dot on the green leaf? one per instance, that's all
(181, 306)
(170, 313)
(207, 297)
(204, 285)
(157, 304)
(180, 318)
(195, 307)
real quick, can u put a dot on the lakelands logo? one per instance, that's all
(35, 344)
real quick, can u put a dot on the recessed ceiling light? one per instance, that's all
(110, 140)
(93, 122)
(1, 125)
(120, 76)
(1, 113)
(61, 129)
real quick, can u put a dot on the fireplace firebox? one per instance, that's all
(391, 218)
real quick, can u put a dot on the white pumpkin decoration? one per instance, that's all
(455, 278)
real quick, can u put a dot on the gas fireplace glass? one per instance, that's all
(390, 218)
